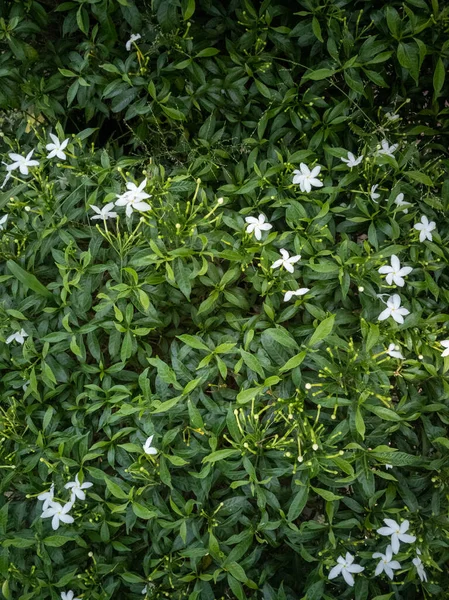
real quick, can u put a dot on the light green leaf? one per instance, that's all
(323, 330)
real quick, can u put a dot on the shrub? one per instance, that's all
(224, 338)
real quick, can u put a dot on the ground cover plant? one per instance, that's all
(224, 279)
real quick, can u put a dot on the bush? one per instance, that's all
(224, 338)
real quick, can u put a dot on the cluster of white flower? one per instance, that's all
(55, 510)
(24, 163)
(397, 533)
(133, 199)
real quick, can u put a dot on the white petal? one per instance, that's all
(406, 538)
(395, 543)
(395, 263)
(397, 317)
(385, 269)
(348, 577)
(335, 571)
(355, 568)
(384, 315)
(380, 566)
(316, 183)
(142, 206)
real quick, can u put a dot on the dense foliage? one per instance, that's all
(193, 430)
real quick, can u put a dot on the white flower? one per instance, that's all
(47, 497)
(373, 193)
(397, 532)
(132, 199)
(148, 448)
(21, 162)
(445, 344)
(299, 292)
(394, 309)
(145, 589)
(419, 567)
(77, 488)
(57, 512)
(104, 212)
(388, 466)
(134, 37)
(345, 567)
(57, 148)
(391, 117)
(3, 221)
(425, 228)
(395, 273)
(68, 595)
(386, 564)
(393, 351)
(387, 149)
(19, 336)
(352, 161)
(307, 178)
(399, 201)
(257, 225)
(286, 261)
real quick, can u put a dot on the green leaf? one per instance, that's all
(115, 489)
(193, 341)
(28, 279)
(142, 512)
(398, 459)
(167, 405)
(173, 113)
(383, 412)
(393, 21)
(208, 52)
(236, 571)
(441, 440)
(323, 330)
(245, 396)
(281, 336)
(191, 386)
(316, 28)
(419, 177)
(56, 541)
(298, 503)
(82, 19)
(293, 362)
(220, 455)
(252, 362)
(263, 89)
(319, 74)
(182, 275)
(188, 9)
(326, 494)
(360, 423)
(121, 101)
(439, 76)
